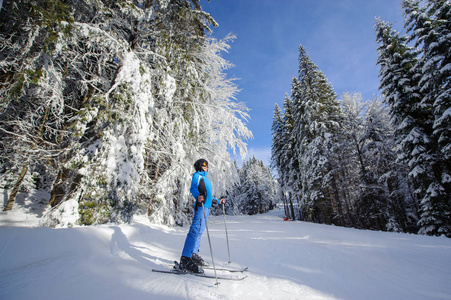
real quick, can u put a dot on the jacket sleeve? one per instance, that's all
(194, 185)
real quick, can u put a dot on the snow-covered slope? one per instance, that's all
(286, 260)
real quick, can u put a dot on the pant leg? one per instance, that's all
(202, 229)
(193, 233)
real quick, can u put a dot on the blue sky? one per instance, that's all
(338, 35)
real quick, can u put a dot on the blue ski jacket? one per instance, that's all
(195, 188)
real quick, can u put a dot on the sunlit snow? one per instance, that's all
(286, 260)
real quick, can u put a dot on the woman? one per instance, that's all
(202, 191)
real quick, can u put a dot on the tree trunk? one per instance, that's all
(338, 201)
(285, 205)
(293, 216)
(12, 198)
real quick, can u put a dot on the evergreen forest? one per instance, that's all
(105, 105)
(380, 164)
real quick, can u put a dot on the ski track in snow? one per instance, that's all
(286, 260)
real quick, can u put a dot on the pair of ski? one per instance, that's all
(177, 271)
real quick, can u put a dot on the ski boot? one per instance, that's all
(199, 260)
(188, 265)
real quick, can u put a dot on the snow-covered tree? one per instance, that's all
(400, 211)
(284, 158)
(257, 190)
(430, 28)
(316, 115)
(279, 157)
(115, 100)
(277, 139)
(348, 158)
(383, 197)
(362, 183)
(415, 84)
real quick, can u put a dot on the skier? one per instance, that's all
(202, 192)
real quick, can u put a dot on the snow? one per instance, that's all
(286, 260)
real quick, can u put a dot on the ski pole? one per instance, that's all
(209, 243)
(227, 235)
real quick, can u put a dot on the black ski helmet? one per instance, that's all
(198, 164)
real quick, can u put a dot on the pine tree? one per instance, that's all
(315, 123)
(412, 80)
(277, 139)
(257, 188)
(279, 158)
(429, 27)
(289, 163)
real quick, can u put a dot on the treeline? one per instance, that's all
(374, 164)
(107, 104)
(254, 193)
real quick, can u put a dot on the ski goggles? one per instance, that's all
(204, 164)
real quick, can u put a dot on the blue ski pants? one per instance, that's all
(192, 242)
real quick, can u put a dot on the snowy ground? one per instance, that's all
(286, 260)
